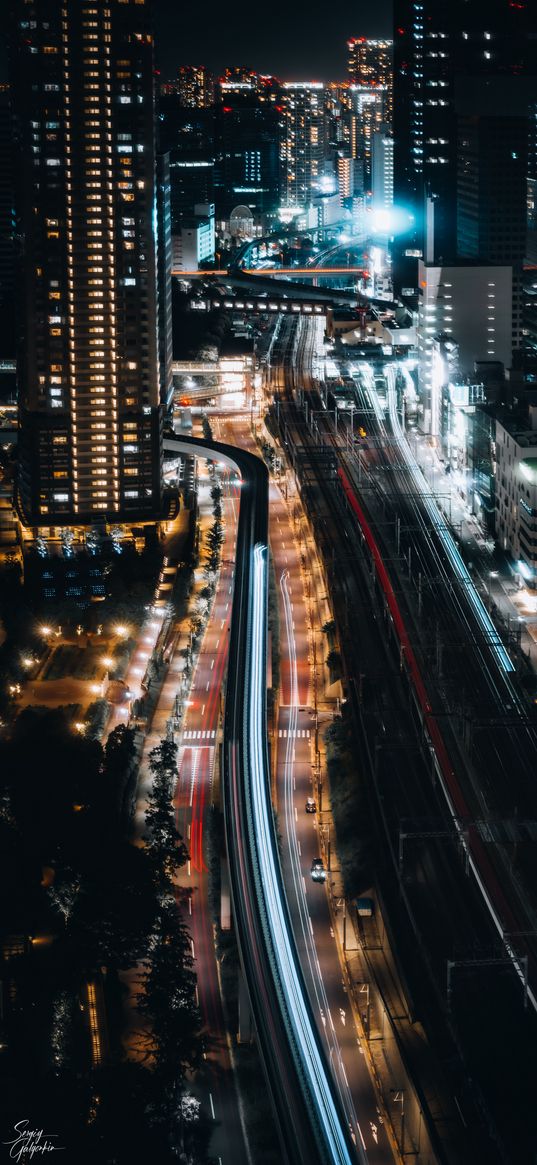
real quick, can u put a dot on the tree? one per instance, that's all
(168, 998)
(165, 846)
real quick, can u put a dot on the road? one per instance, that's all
(308, 901)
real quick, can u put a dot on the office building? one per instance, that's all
(90, 360)
(303, 140)
(492, 169)
(247, 155)
(468, 305)
(435, 44)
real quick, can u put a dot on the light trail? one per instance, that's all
(310, 1119)
(460, 570)
(306, 926)
(269, 884)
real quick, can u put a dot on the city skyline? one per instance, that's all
(268, 583)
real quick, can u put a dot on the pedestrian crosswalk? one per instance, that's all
(199, 734)
(303, 733)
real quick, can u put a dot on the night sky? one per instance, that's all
(297, 40)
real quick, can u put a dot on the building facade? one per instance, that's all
(370, 64)
(516, 493)
(468, 305)
(436, 44)
(303, 140)
(89, 365)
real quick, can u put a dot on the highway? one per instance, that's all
(308, 901)
(307, 1109)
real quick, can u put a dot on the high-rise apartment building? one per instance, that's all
(303, 139)
(370, 65)
(90, 393)
(194, 87)
(367, 117)
(435, 44)
(8, 226)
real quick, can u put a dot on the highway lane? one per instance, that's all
(308, 901)
(193, 800)
(309, 1118)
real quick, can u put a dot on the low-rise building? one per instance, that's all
(516, 492)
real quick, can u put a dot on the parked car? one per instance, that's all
(311, 805)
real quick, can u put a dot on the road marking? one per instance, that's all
(304, 881)
(190, 904)
(202, 709)
(208, 685)
(296, 813)
(311, 924)
(222, 624)
(188, 832)
(192, 945)
(212, 664)
(212, 1106)
(299, 846)
(332, 935)
(217, 642)
(357, 1125)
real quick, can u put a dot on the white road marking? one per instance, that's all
(212, 664)
(202, 709)
(212, 1106)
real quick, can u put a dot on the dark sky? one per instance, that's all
(294, 39)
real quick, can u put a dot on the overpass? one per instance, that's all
(311, 1123)
(289, 289)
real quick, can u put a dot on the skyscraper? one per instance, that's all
(195, 87)
(89, 383)
(434, 44)
(370, 64)
(247, 146)
(303, 139)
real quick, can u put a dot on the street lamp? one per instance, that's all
(491, 574)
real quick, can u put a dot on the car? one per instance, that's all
(311, 806)
(318, 872)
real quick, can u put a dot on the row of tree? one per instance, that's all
(79, 901)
